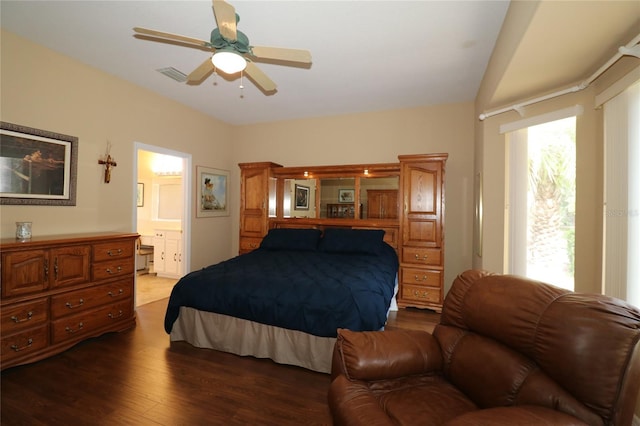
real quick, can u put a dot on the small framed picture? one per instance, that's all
(302, 197)
(140, 195)
(346, 195)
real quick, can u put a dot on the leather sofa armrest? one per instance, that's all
(379, 355)
(352, 404)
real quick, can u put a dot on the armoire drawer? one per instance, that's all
(422, 256)
(249, 244)
(422, 277)
(421, 294)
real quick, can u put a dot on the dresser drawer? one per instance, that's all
(420, 294)
(87, 322)
(113, 268)
(76, 301)
(422, 256)
(24, 315)
(422, 277)
(249, 244)
(112, 250)
(24, 343)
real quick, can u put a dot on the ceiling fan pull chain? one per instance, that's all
(215, 77)
(241, 85)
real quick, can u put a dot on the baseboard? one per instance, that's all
(636, 421)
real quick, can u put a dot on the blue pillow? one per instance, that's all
(345, 240)
(291, 239)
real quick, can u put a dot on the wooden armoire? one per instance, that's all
(411, 214)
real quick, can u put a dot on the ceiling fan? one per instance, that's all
(232, 51)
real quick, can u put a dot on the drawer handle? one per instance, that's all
(18, 320)
(117, 253)
(116, 295)
(17, 348)
(421, 258)
(120, 313)
(253, 245)
(70, 306)
(423, 294)
(71, 330)
(417, 278)
(118, 269)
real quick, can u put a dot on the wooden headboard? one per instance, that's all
(390, 227)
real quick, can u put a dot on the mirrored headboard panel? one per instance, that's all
(334, 193)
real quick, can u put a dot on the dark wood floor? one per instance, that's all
(139, 378)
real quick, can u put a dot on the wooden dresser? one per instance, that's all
(59, 290)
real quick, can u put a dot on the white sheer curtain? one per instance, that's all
(621, 263)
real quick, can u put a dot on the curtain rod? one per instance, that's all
(631, 49)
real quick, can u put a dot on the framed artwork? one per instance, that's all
(213, 189)
(37, 167)
(302, 197)
(346, 195)
(140, 195)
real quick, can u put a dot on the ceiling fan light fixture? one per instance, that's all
(228, 62)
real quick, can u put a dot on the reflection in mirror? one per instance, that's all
(273, 184)
(337, 198)
(299, 198)
(380, 197)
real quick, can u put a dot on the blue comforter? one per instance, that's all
(313, 292)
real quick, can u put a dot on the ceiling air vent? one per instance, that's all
(174, 74)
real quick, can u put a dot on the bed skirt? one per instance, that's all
(243, 337)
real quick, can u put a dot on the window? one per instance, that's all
(541, 205)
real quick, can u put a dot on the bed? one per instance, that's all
(286, 300)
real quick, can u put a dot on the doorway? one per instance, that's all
(162, 217)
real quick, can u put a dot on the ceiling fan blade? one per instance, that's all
(282, 54)
(259, 78)
(225, 18)
(201, 72)
(170, 36)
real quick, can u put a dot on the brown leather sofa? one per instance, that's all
(507, 351)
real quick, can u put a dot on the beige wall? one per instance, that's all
(379, 138)
(48, 91)
(68, 97)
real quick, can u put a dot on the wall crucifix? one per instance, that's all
(108, 163)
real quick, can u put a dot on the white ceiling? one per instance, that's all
(367, 55)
